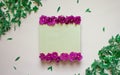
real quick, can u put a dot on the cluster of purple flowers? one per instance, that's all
(50, 57)
(51, 21)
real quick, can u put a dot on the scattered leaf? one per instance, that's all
(77, 1)
(58, 9)
(17, 58)
(88, 10)
(103, 29)
(50, 68)
(9, 38)
(38, 2)
(35, 9)
(14, 67)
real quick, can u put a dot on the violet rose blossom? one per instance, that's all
(43, 20)
(77, 20)
(54, 55)
(57, 60)
(64, 56)
(78, 57)
(72, 56)
(61, 19)
(71, 19)
(50, 21)
(42, 56)
(49, 57)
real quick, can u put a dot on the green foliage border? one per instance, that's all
(12, 11)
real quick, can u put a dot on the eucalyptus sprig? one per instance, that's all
(109, 59)
(12, 11)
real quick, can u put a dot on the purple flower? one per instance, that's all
(69, 19)
(58, 59)
(64, 56)
(51, 21)
(54, 55)
(61, 19)
(77, 20)
(43, 20)
(72, 56)
(78, 56)
(42, 56)
(49, 57)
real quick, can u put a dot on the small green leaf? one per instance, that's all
(14, 27)
(50, 68)
(38, 2)
(1, 4)
(35, 8)
(17, 58)
(9, 38)
(103, 29)
(24, 15)
(78, 73)
(77, 1)
(19, 23)
(14, 67)
(88, 10)
(58, 9)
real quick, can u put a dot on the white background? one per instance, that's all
(104, 13)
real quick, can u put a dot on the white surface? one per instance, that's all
(105, 13)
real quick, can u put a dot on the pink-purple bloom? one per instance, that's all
(42, 56)
(43, 20)
(73, 56)
(51, 21)
(54, 55)
(64, 56)
(78, 56)
(48, 57)
(77, 20)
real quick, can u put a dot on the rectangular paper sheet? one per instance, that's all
(59, 38)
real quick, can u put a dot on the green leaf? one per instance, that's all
(35, 8)
(1, 4)
(117, 38)
(17, 58)
(103, 29)
(111, 41)
(19, 23)
(88, 10)
(50, 68)
(14, 67)
(9, 38)
(88, 71)
(58, 9)
(38, 2)
(24, 15)
(77, 1)
(78, 73)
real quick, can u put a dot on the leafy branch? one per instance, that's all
(109, 59)
(12, 11)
